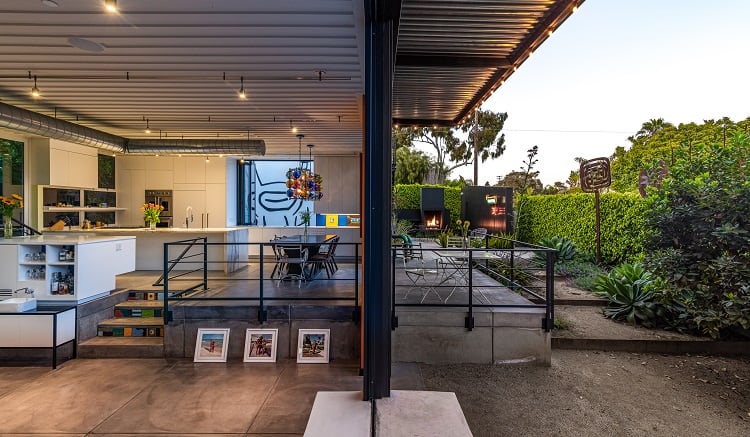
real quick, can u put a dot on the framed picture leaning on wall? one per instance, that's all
(211, 346)
(260, 345)
(313, 345)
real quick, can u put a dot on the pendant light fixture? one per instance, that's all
(302, 183)
(241, 93)
(35, 93)
(148, 129)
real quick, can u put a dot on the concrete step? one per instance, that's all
(131, 327)
(122, 347)
(146, 295)
(139, 308)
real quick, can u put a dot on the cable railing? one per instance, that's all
(496, 273)
(192, 274)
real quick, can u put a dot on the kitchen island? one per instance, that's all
(65, 268)
(150, 245)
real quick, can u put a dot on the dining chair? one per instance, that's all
(292, 257)
(325, 258)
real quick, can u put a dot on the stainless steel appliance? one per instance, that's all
(163, 198)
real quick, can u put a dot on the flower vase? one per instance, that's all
(8, 228)
(465, 243)
(152, 226)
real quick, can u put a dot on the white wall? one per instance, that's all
(341, 189)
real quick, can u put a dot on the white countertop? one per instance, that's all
(62, 239)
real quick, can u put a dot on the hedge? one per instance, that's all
(573, 216)
(407, 196)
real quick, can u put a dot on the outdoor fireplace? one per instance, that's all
(434, 215)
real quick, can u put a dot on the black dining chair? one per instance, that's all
(325, 258)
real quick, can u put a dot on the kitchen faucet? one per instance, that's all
(188, 216)
(28, 291)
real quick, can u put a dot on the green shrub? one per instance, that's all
(573, 216)
(629, 288)
(402, 227)
(582, 269)
(700, 244)
(407, 196)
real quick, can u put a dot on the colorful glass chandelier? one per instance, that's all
(302, 183)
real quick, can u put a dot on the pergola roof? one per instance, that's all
(452, 55)
(179, 64)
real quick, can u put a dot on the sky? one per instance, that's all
(613, 65)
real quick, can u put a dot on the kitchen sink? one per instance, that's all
(17, 304)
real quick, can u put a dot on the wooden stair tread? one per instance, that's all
(123, 341)
(133, 321)
(149, 304)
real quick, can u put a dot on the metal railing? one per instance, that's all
(520, 275)
(191, 262)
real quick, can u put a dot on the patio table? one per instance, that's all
(456, 267)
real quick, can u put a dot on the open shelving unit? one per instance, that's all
(75, 204)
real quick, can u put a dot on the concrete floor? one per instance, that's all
(119, 397)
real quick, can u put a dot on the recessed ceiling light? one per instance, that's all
(110, 6)
(50, 3)
(85, 44)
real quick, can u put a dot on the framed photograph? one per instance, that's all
(211, 346)
(260, 345)
(313, 345)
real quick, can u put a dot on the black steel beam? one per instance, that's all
(379, 56)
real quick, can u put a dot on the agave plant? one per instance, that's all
(629, 289)
(566, 249)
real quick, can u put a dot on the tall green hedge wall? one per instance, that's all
(573, 216)
(406, 196)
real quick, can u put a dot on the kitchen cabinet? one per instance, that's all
(210, 204)
(69, 269)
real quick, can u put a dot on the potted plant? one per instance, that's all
(305, 217)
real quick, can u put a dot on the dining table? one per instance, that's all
(311, 242)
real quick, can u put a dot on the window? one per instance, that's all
(11, 168)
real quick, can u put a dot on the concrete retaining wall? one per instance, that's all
(500, 335)
(180, 334)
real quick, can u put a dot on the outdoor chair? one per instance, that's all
(407, 250)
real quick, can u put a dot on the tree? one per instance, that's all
(450, 151)
(655, 141)
(520, 182)
(490, 142)
(411, 166)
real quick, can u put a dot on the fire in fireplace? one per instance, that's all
(432, 219)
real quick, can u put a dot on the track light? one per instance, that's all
(148, 129)
(111, 6)
(242, 160)
(207, 159)
(35, 91)
(241, 93)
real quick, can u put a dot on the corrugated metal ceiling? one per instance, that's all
(179, 63)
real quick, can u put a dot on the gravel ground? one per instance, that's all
(587, 393)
